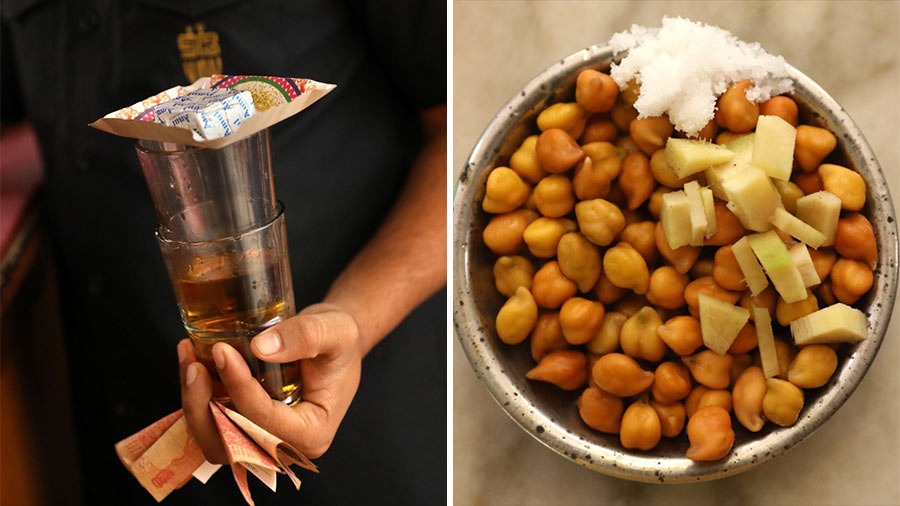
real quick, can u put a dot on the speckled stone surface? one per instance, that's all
(852, 50)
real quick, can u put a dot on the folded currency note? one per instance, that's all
(164, 456)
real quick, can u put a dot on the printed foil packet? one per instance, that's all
(209, 113)
(213, 119)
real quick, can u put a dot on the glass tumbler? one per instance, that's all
(223, 239)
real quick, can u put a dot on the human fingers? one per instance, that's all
(196, 393)
(252, 401)
(319, 331)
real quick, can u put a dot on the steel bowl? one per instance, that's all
(549, 414)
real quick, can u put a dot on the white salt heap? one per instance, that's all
(683, 66)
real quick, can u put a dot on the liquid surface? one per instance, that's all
(231, 298)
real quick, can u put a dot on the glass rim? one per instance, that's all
(188, 149)
(161, 230)
(182, 149)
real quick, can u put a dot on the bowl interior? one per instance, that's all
(548, 413)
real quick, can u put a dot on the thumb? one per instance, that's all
(321, 331)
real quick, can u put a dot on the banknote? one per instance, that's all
(164, 456)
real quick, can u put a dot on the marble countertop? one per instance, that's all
(852, 50)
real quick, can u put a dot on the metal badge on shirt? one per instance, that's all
(201, 54)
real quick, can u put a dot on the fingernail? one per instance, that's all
(218, 357)
(191, 374)
(268, 342)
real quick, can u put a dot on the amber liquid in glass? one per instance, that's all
(229, 299)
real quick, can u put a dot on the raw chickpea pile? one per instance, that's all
(609, 309)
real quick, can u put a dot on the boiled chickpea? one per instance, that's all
(671, 417)
(671, 383)
(595, 91)
(550, 287)
(640, 428)
(636, 179)
(735, 111)
(580, 319)
(721, 398)
(557, 151)
(579, 260)
(850, 280)
(781, 106)
(547, 336)
(543, 235)
(511, 272)
(554, 196)
(692, 401)
(707, 286)
(765, 299)
(525, 161)
(703, 268)
(626, 268)
(666, 288)
(567, 116)
(622, 114)
(855, 239)
(785, 351)
(640, 236)
(813, 366)
(823, 260)
(599, 128)
(621, 375)
(726, 271)
(728, 226)
(638, 337)
(682, 259)
(782, 402)
(809, 182)
(681, 334)
(505, 191)
(650, 134)
(601, 150)
(786, 312)
(591, 179)
(599, 220)
(746, 340)
(848, 185)
(812, 145)
(517, 317)
(741, 362)
(504, 234)
(601, 410)
(710, 434)
(607, 338)
(566, 369)
(747, 396)
(709, 368)
(664, 173)
(606, 292)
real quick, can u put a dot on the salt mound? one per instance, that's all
(683, 66)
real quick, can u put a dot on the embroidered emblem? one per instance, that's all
(201, 55)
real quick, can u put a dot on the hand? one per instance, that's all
(327, 340)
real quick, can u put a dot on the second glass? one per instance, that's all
(231, 289)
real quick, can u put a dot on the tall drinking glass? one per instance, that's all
(223, 239)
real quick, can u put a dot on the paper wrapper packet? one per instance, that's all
(164, 456)
(274, 99)
(210, 113)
